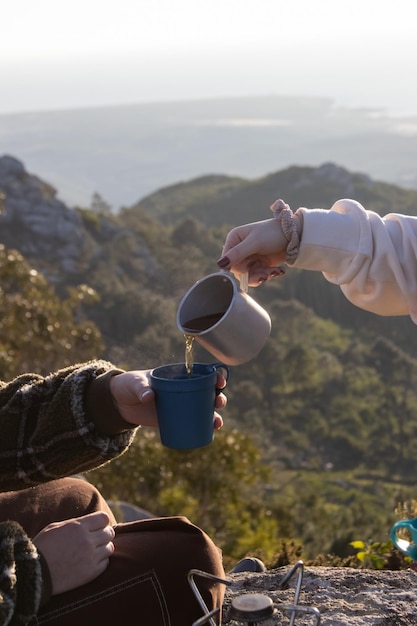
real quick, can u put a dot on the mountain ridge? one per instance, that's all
(217, 200)
(40, 225)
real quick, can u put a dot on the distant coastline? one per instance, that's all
(126, 152)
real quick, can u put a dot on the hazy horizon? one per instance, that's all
(88, 54)
(358, 53)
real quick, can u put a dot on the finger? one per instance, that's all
(146, 394)
(221, 401)
(103, 559)
(104, 536)
(238, 249)
(221, 381)
(261, 276)
(95, 521)
(104, 551)
(258, 276)
(233, 238)
(142, 387)
(218, 421)
(275, 272)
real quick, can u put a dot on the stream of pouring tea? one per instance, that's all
(189, 340)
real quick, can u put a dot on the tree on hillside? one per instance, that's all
(38, 331)
(99, 205)
(395, 434)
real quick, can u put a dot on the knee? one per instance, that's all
(172, 542)
(194, 546)
(78, 497)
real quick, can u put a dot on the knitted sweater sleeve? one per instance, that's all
(47, 430)
(20, 576)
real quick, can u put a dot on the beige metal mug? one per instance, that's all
(224, 319)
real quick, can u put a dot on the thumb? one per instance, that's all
(235, 254)
(146, 395)
(241, 251)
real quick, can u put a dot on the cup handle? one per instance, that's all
(402, 544)
(224, 371)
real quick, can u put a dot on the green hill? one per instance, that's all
(218, 200)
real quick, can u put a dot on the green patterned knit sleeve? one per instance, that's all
(46, 432)
(20, 576)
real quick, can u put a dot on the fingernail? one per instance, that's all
(223, 262)
(146, 394)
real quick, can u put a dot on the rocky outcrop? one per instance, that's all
(50, 234)
(343, 596)
(334, 173)
(35, 221)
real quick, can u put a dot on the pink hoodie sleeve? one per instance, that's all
(372, 259)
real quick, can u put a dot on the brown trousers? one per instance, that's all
(145, 583)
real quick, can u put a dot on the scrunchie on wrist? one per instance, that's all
(282, 211)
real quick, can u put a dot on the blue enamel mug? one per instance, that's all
(185, 404)
(408, 547)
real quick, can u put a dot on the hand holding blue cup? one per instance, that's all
(408, 547)
(185, 403)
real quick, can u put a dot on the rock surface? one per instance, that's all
(343, 596)
(55, 237)
(34, 218)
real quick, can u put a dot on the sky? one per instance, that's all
(56, 54)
